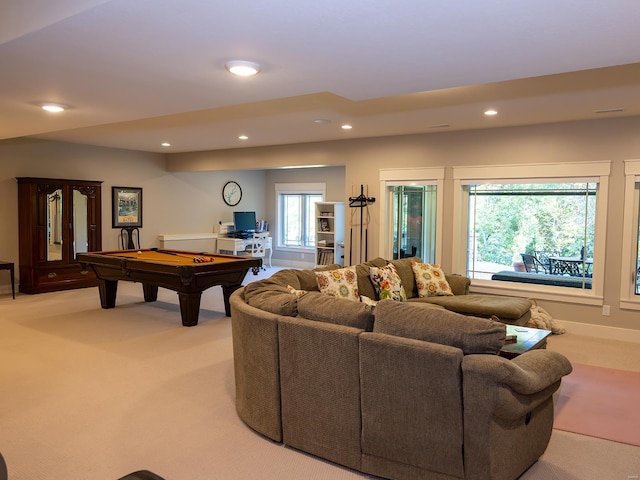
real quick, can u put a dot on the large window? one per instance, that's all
(296, 213)
(535, 228)
(544, 231)
(630, 271)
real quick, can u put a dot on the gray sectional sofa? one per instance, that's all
(402, 390)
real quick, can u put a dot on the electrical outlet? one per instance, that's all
(606, 310)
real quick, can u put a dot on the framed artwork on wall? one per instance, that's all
(126, 207)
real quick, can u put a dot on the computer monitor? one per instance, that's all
(244, 221)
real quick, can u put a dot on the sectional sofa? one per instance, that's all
(402, 390)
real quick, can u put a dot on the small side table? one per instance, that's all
(9, 266)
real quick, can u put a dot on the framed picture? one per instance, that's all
(126, 207)
(324, 225)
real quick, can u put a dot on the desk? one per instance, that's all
(235, 245)
(9, 266)
(175, 270)
(574, 266)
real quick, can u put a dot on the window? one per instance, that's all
(411, 200)
(544, 230)
(630, 271)
(296, 214)
(535, 228)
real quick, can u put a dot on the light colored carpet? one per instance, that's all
(87, 393)
(600, 402)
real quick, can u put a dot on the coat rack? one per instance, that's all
(361, 203)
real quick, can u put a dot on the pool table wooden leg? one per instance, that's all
(108, 290)
(189, 308)
(227, 290)
(150, 292)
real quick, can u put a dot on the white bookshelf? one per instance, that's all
(329, 233)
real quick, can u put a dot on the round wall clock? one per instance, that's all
(231, 193)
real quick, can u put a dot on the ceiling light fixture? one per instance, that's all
(166, 144)
(346, 127)
(490, 113)
(242, 68)
(53, 107)
(322, 121)
(243, 137)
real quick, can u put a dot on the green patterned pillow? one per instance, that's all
(387, 283)
(341, 283)
(430, 280)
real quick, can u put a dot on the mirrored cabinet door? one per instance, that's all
(58, 218)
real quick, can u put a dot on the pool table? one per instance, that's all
(188, 273)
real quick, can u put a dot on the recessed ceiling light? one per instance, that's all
(242, 68)
(322, 121)
(243, 137)
(490, 113)
(166, 144)
(53, 107)
(347, 127)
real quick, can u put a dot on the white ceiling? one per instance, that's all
(140, 72)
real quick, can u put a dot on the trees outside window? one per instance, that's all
(539, 219)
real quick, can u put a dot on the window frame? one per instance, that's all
(393, 177)
(529, 173)
(295, 189)
(628, 298)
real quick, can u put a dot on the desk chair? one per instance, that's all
(129, 238)
(257, 247)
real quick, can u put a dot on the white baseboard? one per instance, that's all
(602, 331)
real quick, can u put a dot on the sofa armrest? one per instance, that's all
(521, 384)
(459, 284)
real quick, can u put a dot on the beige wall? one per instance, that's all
(613, 140)
(183, 195)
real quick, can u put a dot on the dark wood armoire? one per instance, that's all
(58, 218)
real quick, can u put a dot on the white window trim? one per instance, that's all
(537, 172)
(391, 177)
(628, 299)
(295, 188)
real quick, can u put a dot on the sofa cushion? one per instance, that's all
(323, 308)
(387, 283)
(341, 283)
(430, 280)
(484, 305)
(272, 297)
(412, 320)
(405, 271)
(365, 286)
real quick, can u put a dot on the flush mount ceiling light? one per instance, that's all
(53, 107)
(243, 137)
(346, 127)
(165, 144)
(242, 68)
(490, 113)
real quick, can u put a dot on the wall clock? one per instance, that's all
(231, 193)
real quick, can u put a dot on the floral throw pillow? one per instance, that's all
(430, 280)
(341, 283)
(295, 291)
(387, 283)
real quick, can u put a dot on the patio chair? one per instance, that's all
(532, 264)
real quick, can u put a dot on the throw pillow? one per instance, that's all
(430, 280)
(295, 291)
(387, 283)
(341, 283)
(368, 301)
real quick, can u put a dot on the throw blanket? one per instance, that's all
(540, 318)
